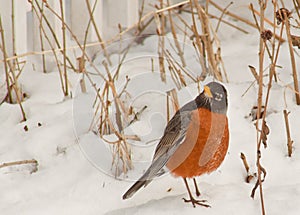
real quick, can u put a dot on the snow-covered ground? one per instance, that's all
(74, 174)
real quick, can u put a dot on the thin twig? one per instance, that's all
(254, 73)
(14, 81)
(14, 163)
(41, 37)
(9, 95)
(199, 45)
(240, 18)
(180, 53)
(221, 17)
(59, 49)
(161, 45)
(259, 107)
(66, 93)
(292, 56)
(258, 13)
(43, 32)
(174, 100)
(243, 157)
(113, 39)
(207, 40)
(247, 168)
(97, 32)
(288, 133)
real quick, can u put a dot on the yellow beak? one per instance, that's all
(207, 92)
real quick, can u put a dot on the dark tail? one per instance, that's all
(135, 187)
(153, 171)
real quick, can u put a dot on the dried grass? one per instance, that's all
(207, 48)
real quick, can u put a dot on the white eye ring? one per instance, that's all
(218, 97)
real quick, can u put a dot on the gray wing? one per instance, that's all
(174, 135)
(175, 131)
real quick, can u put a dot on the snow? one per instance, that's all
(74, 173)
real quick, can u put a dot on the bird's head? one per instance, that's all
(215, 97)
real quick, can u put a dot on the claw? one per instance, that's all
(196, 202)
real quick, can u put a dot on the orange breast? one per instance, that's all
(204, 147)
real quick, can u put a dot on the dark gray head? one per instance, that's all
(213, 97)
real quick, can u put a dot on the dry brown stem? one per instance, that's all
(41, 29)
(258, 13)
(228, 23)
(81, 64)
(222, 15)
(41, 17)
(102, 44)
(63, 28)
(83, 85)
(9, 94)
(137, 115)
(198, 44)
(11, 78)
(172, 94)
(174, 98)
(249, 176)
(292, 56)
(170, 7)
(246, 21)
(59, 49)
(161, 32)
(173, 30)
(288, 133)
(175, 70)
(15, 163)
(254, 73)
(178, 68)
(232, 14)
(13, 28)
(260, 169)
(207, 40)
(244, 159)
(111, 87)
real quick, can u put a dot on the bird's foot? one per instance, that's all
(198, 193)
(196, 202)
(196, 187)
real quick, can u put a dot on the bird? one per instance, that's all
(195, 142)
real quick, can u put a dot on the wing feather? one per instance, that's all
(173, 136)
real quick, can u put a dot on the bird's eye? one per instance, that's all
(218, 97)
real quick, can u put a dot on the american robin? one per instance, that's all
(195, 141)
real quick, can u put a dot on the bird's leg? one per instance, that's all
(192, 200)
(196, 187)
